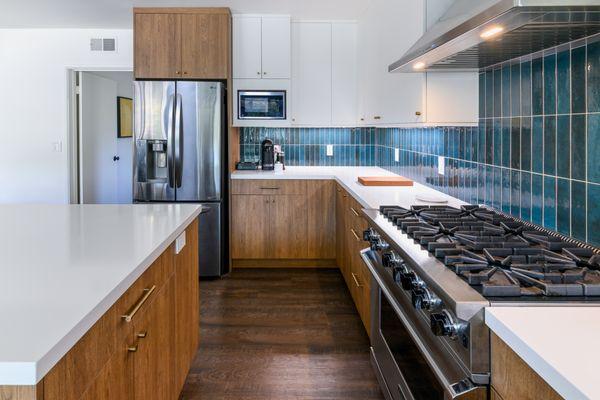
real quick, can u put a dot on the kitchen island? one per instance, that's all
(85, 288)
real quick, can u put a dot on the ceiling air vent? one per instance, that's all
(103, 44)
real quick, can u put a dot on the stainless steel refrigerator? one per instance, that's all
(180, 156)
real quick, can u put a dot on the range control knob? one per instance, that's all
(379, 244)
(367, 234)
(406, 279)
(398, 270)
(422, 298)
(443, 324)
(390, 259)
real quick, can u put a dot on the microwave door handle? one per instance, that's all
(170, 163)
(178, 140)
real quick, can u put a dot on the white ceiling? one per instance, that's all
(117, 13)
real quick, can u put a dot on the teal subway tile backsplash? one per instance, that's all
(535, 152)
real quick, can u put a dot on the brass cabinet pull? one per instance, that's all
(355, 235)
(269, 188)
(185, 72)
(132, 349)
(147, 292)
(177, 72)
(354, 211)
(142, 335)
(355, 279)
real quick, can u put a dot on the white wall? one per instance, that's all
(124, 145)
(34, 105)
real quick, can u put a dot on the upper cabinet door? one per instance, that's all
(247, 47)
(344, 74)
(157, 51)
(276, 47)
(311, 73)
(204, 45)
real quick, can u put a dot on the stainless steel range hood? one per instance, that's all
(475, 34)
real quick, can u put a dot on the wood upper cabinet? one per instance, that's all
(187, 43)
(157, 49)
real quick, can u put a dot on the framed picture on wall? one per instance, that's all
(124, 117)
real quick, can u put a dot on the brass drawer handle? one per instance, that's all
(269, 188)
(355, 235)
(355, 279)
(129, 316)
(142, 335)
(132, 349)
(354, 211)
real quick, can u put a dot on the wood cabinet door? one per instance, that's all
(205, 45)
(187, 303)
(341, 229)
(247, 47)
(250, 221)
(320, 199)
(156, 49)
(288, 226)
(154, 361)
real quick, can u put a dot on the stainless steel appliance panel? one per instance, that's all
(210, 237)
(262, 105)
(153, 172)
(198, 140)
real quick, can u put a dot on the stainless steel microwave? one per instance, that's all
(261, 104)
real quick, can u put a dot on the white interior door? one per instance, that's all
(98, 139)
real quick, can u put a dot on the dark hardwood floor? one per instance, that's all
(280, 334)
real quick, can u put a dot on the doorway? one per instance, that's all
(101, 141)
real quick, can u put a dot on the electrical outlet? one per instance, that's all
(329, 150)
(441, 165)
(57, 147)
(397, 155)
(180, 243)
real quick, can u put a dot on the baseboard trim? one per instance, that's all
(283, 263)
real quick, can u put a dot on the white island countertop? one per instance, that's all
(63, 266)
(558, 343)
(367, 196)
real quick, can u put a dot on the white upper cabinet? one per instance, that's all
(311, 73)
(452, 98)
(276, 53)
(344, 90)
(261, 47)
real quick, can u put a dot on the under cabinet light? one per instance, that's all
(492, 31)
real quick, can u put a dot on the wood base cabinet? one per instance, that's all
(142, 347)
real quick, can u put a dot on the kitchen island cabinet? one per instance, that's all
(143, 327)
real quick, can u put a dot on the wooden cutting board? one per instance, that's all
(384, 181)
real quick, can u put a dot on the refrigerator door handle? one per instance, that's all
(178, 141)
(170, 163)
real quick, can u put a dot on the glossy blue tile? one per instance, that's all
(497, 203)
(550, 202)
(593, 77)
(497, 145)
(480, 184)
(515, 193)
(489, 94)
(515, 143)
(526, 143)
(526, 88)
(497, 93)
(506, 133)
(489, 140)
(505, 90)
(563, 82)
(481, 143)
(515, 90)
(550, 145)
(550, 84)
(489, 185)
(593, 214)
(482, 95)
(563, 146)
(578, 147)
(593, 148)
(578, 90)
(578, 210)
(537, 198)
(526, 196)
(506, 190)
(563, 206)
(537, 87)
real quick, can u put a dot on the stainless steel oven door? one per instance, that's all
(411, 362)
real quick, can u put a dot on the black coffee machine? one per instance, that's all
(267, 155)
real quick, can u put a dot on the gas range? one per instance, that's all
(438, 267)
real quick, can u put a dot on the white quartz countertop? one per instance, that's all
(63, 266)
(558, 343)
(368, 196)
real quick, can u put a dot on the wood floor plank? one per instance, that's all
(280, 334)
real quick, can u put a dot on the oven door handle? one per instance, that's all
(464, 389)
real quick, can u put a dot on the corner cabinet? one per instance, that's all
(143, 346)
(187, 43)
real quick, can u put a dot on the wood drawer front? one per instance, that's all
(268, 186)
(77, 370)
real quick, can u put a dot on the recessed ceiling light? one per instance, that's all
(492, 31)
(419, 65)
